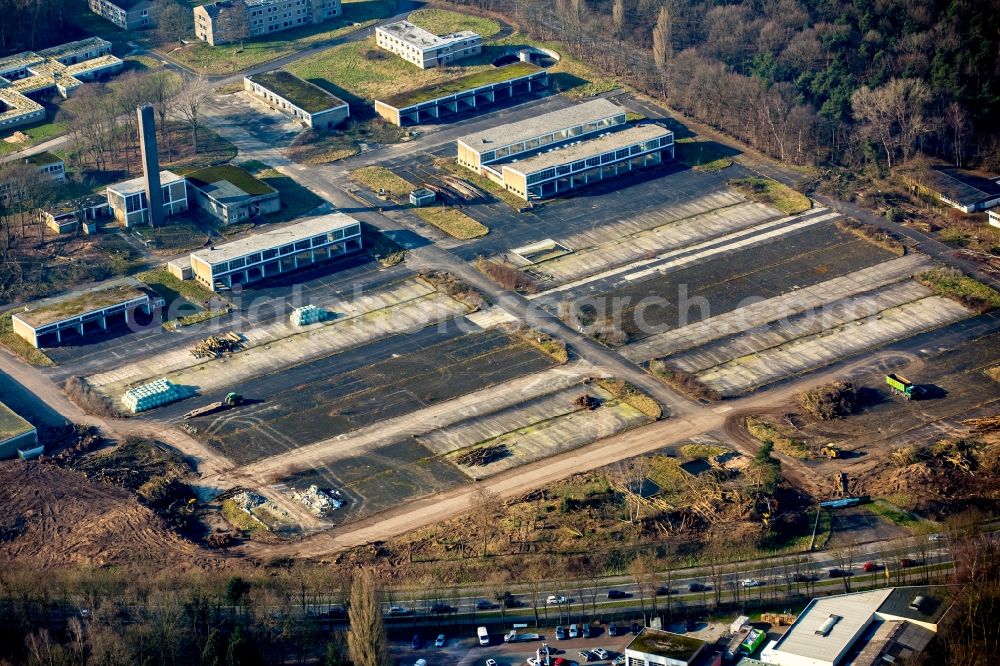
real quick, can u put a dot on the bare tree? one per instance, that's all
(190, 106)
(366, 639)
(958, 122)
(663, 40)
(484, 504)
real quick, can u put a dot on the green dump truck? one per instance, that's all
(900, 385)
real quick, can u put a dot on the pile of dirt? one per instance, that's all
(55, 517)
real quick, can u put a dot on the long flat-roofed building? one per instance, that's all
(265, 255)
(503, 142)
(464, 94)
(49, 322)
(232, 194)
(425, 49)
(301, 99)
(580, 163)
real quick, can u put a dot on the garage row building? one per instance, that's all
(307, 102)
(465, 94)
(563, 150)
(29, 75)
(425, 49)
(265, 255)
(50, 322)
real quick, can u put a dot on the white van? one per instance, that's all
(484, 636)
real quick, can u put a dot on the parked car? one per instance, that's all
(531, 661)
(618, 594)
(636, 628)
(442, 608)
(585, 656)
(698, 587)
(800, 577)
(750, 582)
(554, 599)
(510, 601)
(612, 629)
(585, 630)
(416, 642)
(618, 661)
(663, 590)
(840, 573)
(600, 653)
(560, 633)
(907, 562)
(574, 631)
(485, 604)
(439, 641)
(398, 610)
(870, 566)
(559, 661)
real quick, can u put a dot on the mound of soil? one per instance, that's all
(50, 516)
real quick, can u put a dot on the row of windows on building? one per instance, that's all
(291, 248)
(553, 137)
(597, 160)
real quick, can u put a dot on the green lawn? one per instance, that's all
(236, 57)
(773, 193)
(452, 221)
(49, 129)
(377, 178)
(443, 22)
(170, 288)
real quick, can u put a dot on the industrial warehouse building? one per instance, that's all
(563, 150)
(653, 647)
(265, 255)
(967, 191)
(425, 49)
(467, 93)
(60, 69)
(862, 629)
(231, 194)
(16, 434)
(128, 200)
(306, 101)
(50, 322)
(232, 20)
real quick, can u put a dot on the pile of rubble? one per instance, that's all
(214, 346)
(320, 502)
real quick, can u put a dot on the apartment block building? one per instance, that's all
(126, 14)
(425, 49)
(232, 20)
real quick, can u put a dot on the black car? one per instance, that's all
(840, 573)
(485, 604)
(636, 628)
(442, 608)
(416, 642)
(618, 594)
(510, 601)
(612, 629)
(800, 577)
(698, 587)
(663, 591)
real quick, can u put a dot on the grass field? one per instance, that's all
(452, 221)
(377, 178)
(442, 22)
(296, 200)
(170, 288)
(229, 58)
(962, 288)
(772, 193)
(43, 131)
(326, 147)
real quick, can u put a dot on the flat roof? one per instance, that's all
(11, 424)
(135, 185)
(306, 95)
(238, 176)
(416, 36)
(503, 135)
(43, 158)
(461, 84)
(666, 644)
(52, 310)
(935, 602)
(304, 229)
(75, 48)
(584, 148)
(965, 187)
(854, 610)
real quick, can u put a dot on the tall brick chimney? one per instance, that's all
(150, 164)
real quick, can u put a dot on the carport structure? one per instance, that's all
(91, 312)
(466, 93)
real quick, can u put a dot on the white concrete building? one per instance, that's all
(50, 322)
(993, 217)
(301, 99)
(425, 49)
(258, 257)
(128, 200)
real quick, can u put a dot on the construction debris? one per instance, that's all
(587, 401)
(320, 502)
(215, 346)
(483, 456)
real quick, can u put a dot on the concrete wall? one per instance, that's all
(25, 331)
(328, 119)
(9, 447)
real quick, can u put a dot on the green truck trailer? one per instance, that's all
(900, 385)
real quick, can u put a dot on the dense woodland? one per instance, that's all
(812, 82)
